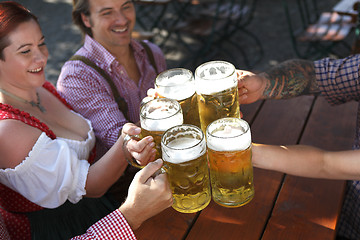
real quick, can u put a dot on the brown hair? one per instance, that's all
(12, 14)
(79, 7)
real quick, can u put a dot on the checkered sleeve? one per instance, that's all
(113, 226)
(338, 79)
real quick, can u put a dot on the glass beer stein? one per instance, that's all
(217, 92)
(178, 84)
(156, 116)
(184, 154)
(229, 156)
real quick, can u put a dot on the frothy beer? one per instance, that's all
(229, 155)
(178, 84)
(158, 115)
(184, 155)
(217, 92)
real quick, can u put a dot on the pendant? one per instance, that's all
(39, 106)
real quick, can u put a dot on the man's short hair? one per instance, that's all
(79, 7)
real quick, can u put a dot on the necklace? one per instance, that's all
(32, 103)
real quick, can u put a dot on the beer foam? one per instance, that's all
(208, 87)
(177, 87)
(174, 80)
(215, 72)
(215, 77)
(182, 150)
(160, 120)
(229, 139)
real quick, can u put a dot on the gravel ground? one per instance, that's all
(63, 38)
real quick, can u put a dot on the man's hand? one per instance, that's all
(148, 195)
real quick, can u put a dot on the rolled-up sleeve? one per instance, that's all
(338, 79)
(50, 175)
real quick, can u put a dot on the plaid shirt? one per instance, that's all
(91, 96)
(112, 226)
(338, 81)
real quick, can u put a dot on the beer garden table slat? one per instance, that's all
(299, 212)
(331, 127)
(271, 125)
(169, 224)
(284, 207)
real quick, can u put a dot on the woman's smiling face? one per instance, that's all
(25, 57)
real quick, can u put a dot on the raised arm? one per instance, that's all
(289, 79)
(103, 173)
(54, 169)
(308, 161)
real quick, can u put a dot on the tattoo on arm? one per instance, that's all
(290, 79)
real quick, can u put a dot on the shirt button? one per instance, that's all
(122, 72)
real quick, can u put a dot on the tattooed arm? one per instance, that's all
(289, 79)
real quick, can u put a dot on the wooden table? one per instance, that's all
(284, 206)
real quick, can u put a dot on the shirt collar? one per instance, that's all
(103, 56)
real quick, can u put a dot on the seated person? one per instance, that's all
(111, 96)
(49, 187)
(132, 67)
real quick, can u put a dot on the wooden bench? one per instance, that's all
(347, 7)
(331, 26)
(316, 34)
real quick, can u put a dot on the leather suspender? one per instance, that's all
(119, 100)
(150, 55)
(123, 107)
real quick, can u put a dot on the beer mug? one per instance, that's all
(184, 154)
(229, 156)
(156, 116)
(217, 92)
(178, 84)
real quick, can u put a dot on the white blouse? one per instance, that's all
(53, 172)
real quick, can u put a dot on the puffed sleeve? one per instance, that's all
(50, 175)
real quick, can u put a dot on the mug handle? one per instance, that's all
(159, 171)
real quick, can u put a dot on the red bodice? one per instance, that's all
(12, 203)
